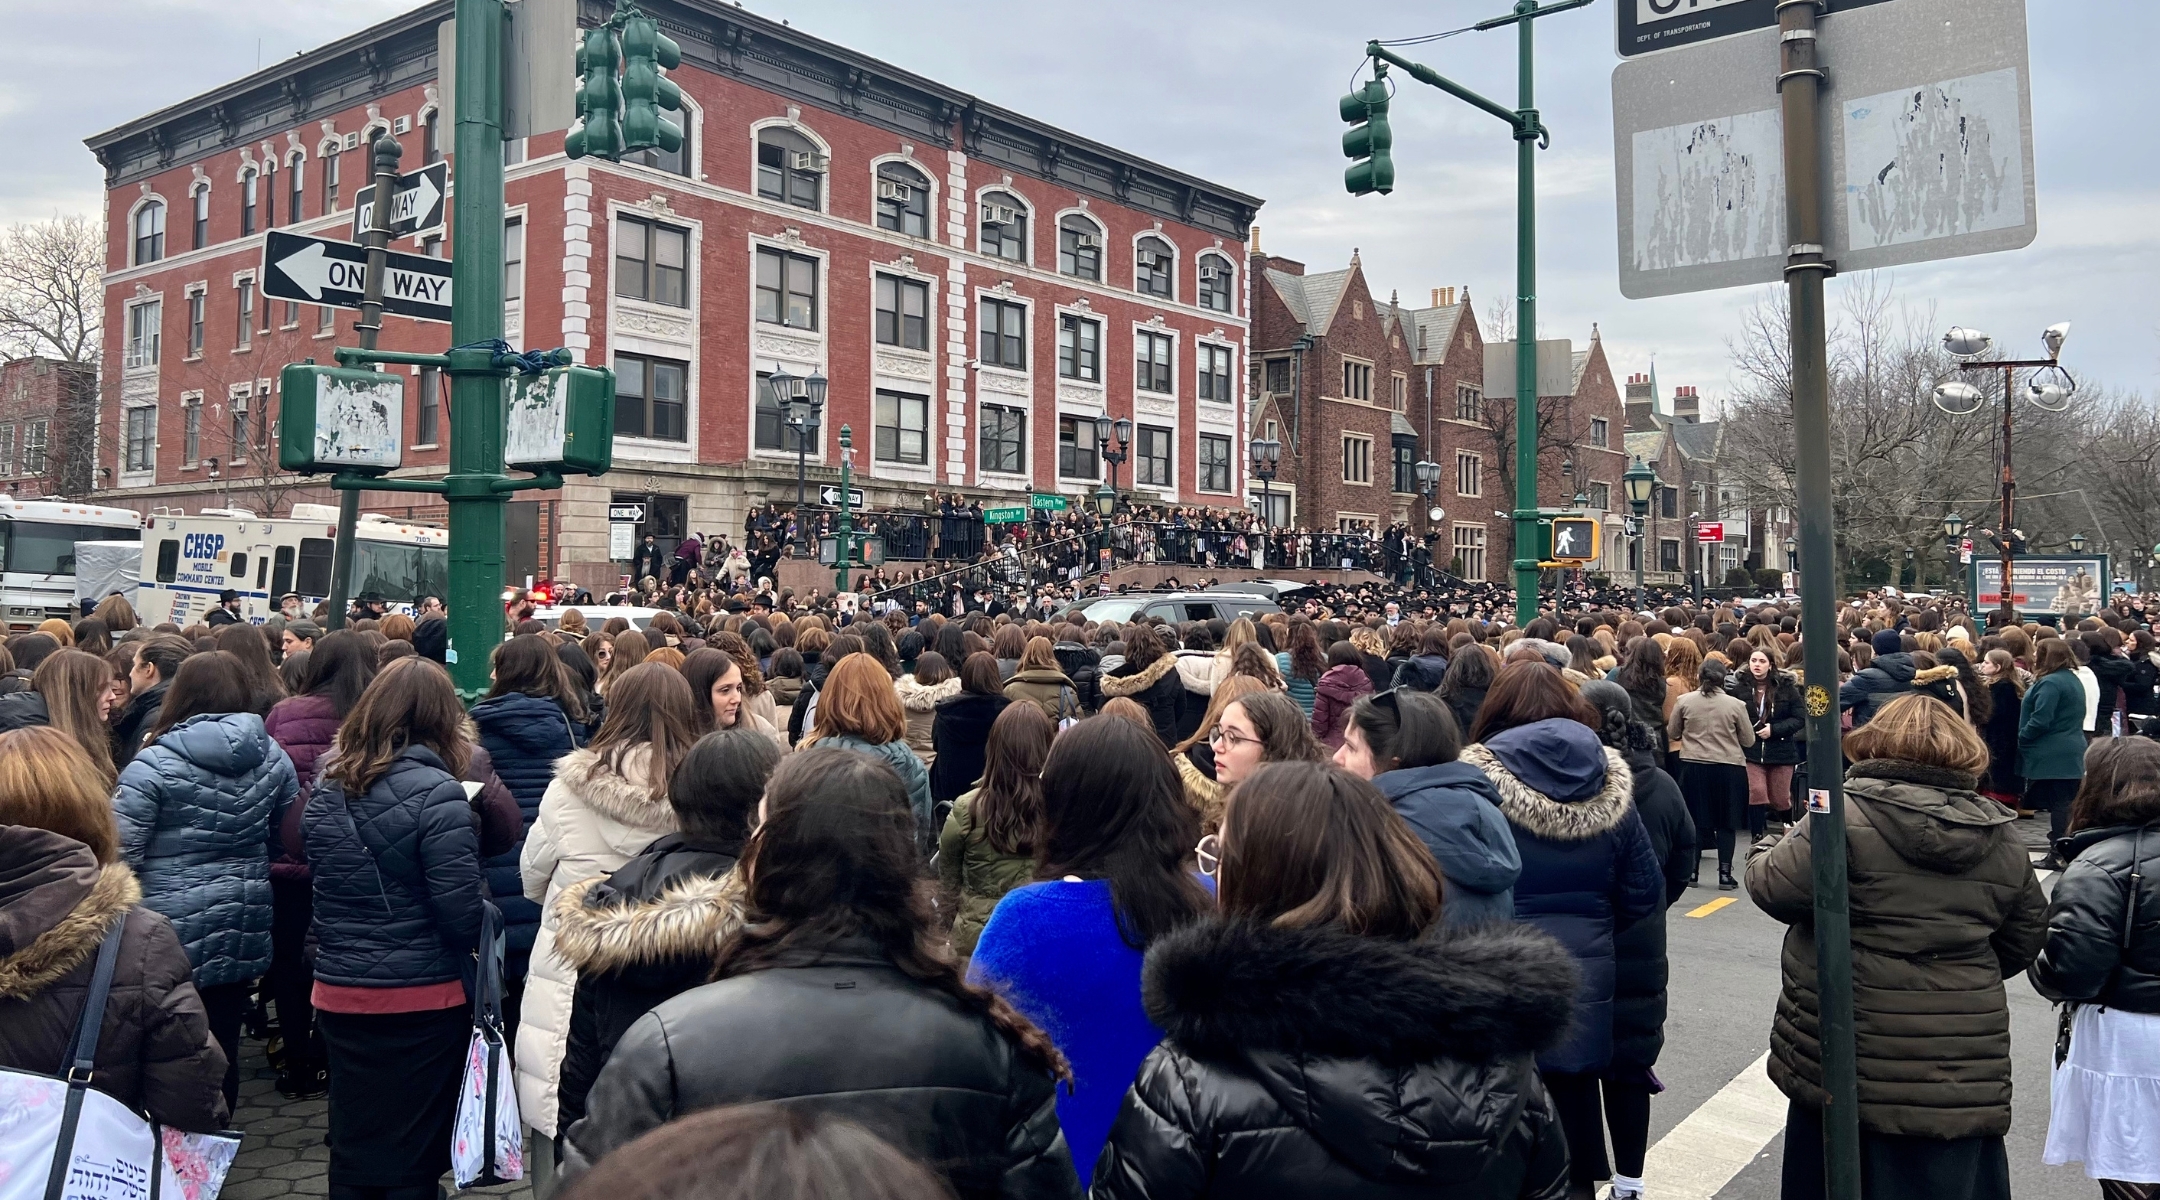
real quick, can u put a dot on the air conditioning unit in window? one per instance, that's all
(1083, 241)
(1154, 261)
(1210, 274)
(1000, 214)
(811, 161)
(888, 189)
(401, 125)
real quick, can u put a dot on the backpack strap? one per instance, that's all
(82, 1057)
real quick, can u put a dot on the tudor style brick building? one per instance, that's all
(978, 287)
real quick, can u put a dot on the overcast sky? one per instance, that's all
(1243, 92)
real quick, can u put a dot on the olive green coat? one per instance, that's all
(1049, 691)
(1945, 906)
(975, 873)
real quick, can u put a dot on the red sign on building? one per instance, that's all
(1710, 531)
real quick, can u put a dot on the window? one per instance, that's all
(432, 247)
(1214, 462)
(1278, 376)
(149, 233)
(514, 259)
(1470, 552)
(1600, 432)
(1151, 353)
(1154, 269)
(1215, 282)
(770, 420)
(295, 196)
(141, 441)
(1356, 458)
(1076, 449)
(292, 316)
(903, 200)
(1215, 374)
(649, 396)
(431, 139)
(1357, 381)
(902, 428)
(1080, 248)
(1004, 226)
(1153, 455)
(1004, 334)
(1405, 464)
(790, 169)
(1469, 403)
(329, 183)
(650, 262)
(1079, 348)
(427, 429)
(325, 318)
(202, 217)
(34, 447)
(244, 313)
(787, 289)
(7, 449)
(142, 344)
(237, 407)
(674, 162)
(1668, 555)
(1668, 501)
(1601, 497)
(190, 432)
(1004, 439)
(1469, 475)
(313, 578)
(1399, 393)
(514, 153)
(903, 312)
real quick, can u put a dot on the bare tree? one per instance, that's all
(1555, 414)
(51, 301)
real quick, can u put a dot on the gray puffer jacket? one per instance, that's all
(194, 810)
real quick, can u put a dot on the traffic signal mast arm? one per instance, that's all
(1426, 75)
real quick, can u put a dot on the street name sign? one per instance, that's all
(1004, 514)
(1046, 502)
(1927, 121)
(1647, 26)
(317, 270)
(1710, 531)
(415, 208)
(830, 494)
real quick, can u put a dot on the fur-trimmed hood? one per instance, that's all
(1563, 821)
(1928, 675)
(1141, 680)
(598, 929)
(923, 697)
(625, 796)
(56, 904)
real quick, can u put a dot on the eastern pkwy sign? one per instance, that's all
(317, 270)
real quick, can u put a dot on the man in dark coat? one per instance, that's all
(1888, 676)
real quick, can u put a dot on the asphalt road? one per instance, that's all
(1723, 991)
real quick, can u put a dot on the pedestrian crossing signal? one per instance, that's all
(1573, 542)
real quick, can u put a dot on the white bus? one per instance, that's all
(189, 561)
(37, 554)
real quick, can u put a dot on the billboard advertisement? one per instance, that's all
(2044, 584)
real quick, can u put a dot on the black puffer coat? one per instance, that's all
(840, 1032)
(960, 734)
(524, 735)
(1309, 1062)
(2103, 942)
(1156, 688)
(397, 876)
(1640, 968)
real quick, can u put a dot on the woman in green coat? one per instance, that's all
(2051, 737)
(988, 846)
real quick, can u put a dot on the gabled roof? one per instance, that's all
(1647, 445)
(1435, 327)
(1398, 423)
(1311, 299)
(1582, 364)
(1696, 440)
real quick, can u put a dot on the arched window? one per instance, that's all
(295, 198)
(201, 202)
(1080, 248)
(1215, 282)
(1004, 226)
(250, 199)
(903, 200)
(1155, 269)
(677, 163)
(790, 168)
(150, 232)
(329, 169)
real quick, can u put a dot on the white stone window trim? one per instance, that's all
(1177, 269)
(1026, 208)
(933, 215)
(794, 124)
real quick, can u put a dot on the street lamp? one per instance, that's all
(1792, 554)
(1427, 473)
(1956, 397)
(2077, 543)
(1106, 508)
(1908, 578)
(805, 413)
(1105, 430)
(1266, 462)
(1637, 481)
(1953, 527)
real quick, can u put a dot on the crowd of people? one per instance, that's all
(811, 899)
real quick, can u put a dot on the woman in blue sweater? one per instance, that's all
(1115, 860)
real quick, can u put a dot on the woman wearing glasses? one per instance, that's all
(1264, 727)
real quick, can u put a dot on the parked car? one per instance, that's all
(1175, 607)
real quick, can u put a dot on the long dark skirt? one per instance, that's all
(393, 1094)
(1717, 795)
(1894, 1167)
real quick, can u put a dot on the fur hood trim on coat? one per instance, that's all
(1477, 993)
(688, 919)
(73, 938)
(922, 697)
(1546, 817)
(623, 797)
(1922, 678)
(1139, 681)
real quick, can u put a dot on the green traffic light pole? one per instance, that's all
(1530, 134)
(846, 548)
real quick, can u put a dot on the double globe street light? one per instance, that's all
(2049, 389)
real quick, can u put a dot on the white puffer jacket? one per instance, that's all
(592, 820)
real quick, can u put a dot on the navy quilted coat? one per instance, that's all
(524, 735)
(397, 876)
(194, 811)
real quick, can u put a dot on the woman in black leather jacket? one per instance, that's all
(836, 998)
(1325, 1038)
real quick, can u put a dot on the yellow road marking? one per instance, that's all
(1713, 906)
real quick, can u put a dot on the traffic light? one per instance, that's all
(1369, 139)
(598, 131)
(1570, 541)
(646, 51)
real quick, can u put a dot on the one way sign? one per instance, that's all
(317, 270)
(415, 207)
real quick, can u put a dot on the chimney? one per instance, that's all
(1641, 405)
(1436, 297)
(1686, 406)
(1252, 241)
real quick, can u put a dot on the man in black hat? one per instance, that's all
(227, 611)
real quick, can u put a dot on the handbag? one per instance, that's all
(90, 1145)
(487, 1142)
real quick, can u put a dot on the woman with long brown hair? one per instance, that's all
(608, 801)
(247, 644)
(397, 917)
(76, 689)
(987, 847)
(858, 710)
(1302, 664)
(625, 650)
(1264, 726)
(1194, 757)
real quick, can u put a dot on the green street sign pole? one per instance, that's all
(847, 510)
(1530, 135)
(385, 152)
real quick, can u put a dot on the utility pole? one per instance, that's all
(1530, 134)
(1800, 85)
(385, 153)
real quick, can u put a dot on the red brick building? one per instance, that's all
(978, 287)
(48, 411)
(1359, 391)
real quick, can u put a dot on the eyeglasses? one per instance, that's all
(1222, 736)
(1209, 854)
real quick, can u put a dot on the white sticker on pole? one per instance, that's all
(1818, 800)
